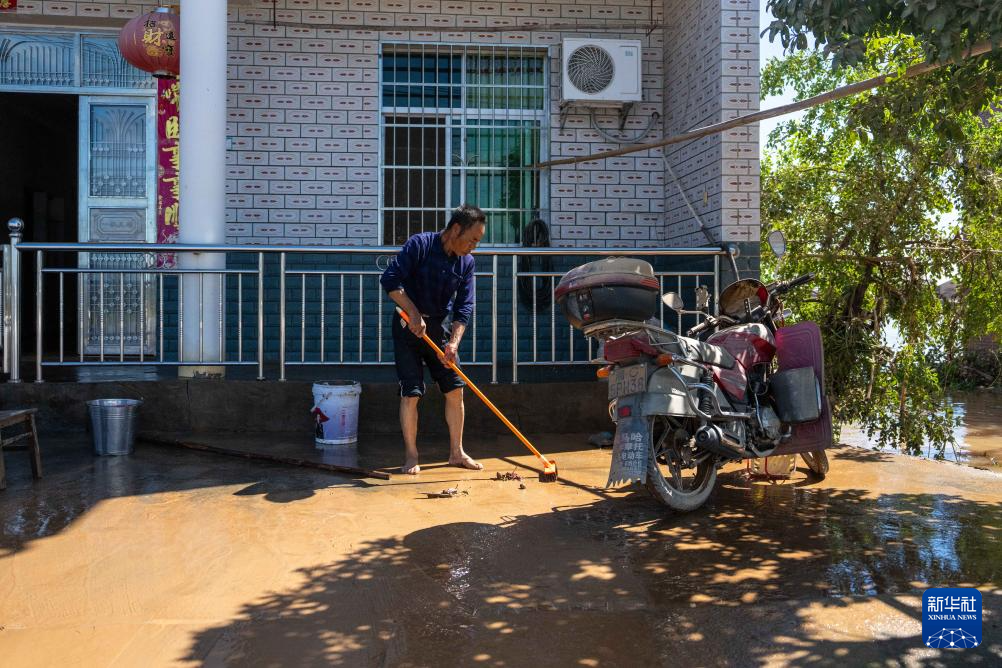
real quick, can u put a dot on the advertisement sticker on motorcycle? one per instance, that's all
(629, 451)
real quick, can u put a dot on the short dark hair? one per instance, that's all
(466, 216)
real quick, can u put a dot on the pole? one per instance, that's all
(16, 228)
(203, 172)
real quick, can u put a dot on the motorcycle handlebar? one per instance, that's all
(776, 289)
(708, 323)
(700, 328)
(786, 286)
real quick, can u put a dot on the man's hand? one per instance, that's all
(451, 351)
(416, 325)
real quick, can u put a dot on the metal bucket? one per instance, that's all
(113, 424)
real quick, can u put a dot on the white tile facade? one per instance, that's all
(711, 75)
(304, 115)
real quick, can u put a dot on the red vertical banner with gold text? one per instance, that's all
(8, 5)
(168, 162)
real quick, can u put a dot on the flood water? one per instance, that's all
(978, 434)
(171, 557)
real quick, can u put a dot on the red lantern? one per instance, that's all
(151, 42)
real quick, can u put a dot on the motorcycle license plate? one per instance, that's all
(626, 380)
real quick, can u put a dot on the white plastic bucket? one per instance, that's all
(335, 412)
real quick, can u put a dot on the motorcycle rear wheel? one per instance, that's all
(817, 462)
(682, 490)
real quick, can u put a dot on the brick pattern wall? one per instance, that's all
(303, 162)
(124, 9)
(617, 202)
(711, 75)
(304, 115)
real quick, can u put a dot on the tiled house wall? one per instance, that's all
(304, 130)
(304, 114)
(712, 75)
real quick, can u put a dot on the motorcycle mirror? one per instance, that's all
(672, 301)
(702, 298)
(777, 242)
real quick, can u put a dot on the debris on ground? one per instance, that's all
(521, 485)
(510, 475)
(447, 493)
(602, 439)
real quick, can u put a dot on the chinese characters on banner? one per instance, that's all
(168, 161)
(8, 5)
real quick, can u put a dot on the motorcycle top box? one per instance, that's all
(614, 288)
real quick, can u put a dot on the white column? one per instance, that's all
(203, 172)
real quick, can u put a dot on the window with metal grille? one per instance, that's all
(461, 125)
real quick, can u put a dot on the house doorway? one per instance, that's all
(39, 178)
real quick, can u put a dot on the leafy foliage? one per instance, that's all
(942, 29)
(884, 195)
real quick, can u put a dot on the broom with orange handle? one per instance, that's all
(549, 473)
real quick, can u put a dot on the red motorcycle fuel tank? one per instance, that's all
(750, 344)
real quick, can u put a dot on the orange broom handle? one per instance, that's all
(476, 390)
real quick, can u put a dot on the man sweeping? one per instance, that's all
(432, 280)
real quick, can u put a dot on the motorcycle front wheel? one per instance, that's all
(677, 475)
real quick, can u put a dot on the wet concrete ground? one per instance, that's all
(171, 557)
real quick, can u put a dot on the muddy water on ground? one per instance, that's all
(178, 558)
(978, 434)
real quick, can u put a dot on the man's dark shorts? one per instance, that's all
(411, 354)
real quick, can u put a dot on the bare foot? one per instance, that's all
(410, 467)
(466, 462)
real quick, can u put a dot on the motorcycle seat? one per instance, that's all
(709, 353)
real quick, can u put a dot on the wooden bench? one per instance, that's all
(25, 416)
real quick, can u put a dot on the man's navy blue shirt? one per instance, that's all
(437, 283)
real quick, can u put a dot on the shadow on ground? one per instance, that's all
(762, 574)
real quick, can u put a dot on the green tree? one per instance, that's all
(861, 188)
(941, 29)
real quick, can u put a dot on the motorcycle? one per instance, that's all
(684, 406)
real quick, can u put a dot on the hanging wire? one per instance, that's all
(655, 117)
(685, 197)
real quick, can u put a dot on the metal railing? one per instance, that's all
(328, 310)
(346, 285)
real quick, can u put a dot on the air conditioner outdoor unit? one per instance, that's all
(602, 71)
